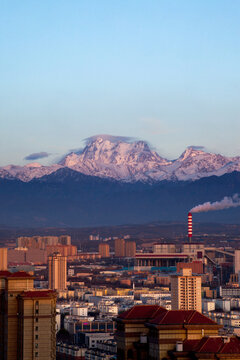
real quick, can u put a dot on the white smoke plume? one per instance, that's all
(225, 203)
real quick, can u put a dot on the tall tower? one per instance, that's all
(3, 259)
(27, 318)
(190, 227)
(119, 247)
(57, 272)
(186, 291)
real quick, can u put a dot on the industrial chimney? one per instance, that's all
(190, 227)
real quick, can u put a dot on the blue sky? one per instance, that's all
(163, 71)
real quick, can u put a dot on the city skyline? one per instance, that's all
(165, 72)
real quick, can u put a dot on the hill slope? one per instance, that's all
(69, 198)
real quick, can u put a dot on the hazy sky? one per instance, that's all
(163, 71)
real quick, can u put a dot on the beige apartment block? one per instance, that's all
(119, 247)
(103, 250)
(3, 259)
(27, 318)
(57, 272)
(186, 291)
(130, 248)
(37, 335)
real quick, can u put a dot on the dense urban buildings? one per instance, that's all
(57, 271)
(95, 288)
(40, 242)
(186, 291)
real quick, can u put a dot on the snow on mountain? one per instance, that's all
(127, 160)
(29, 171)
(116, 159)
(194, 164)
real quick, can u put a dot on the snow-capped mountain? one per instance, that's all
(116, 159)
(121, 159)
(27, 172)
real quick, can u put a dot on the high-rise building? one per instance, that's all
(57, 272)
(119, 247)
(64, 250)
(130, 248)
(3, 259)
(237, 261)
(103, 250)
(27, 318)
(65, 239)
(186, 291)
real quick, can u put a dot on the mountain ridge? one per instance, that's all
(74, 199)
(129, 161)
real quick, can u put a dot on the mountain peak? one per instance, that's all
(192, 151)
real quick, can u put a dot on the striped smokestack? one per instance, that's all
(189, 227)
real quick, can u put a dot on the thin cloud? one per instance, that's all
(194, 147)
(36, 156)
(111, 138)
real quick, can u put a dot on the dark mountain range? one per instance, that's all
(69, 198)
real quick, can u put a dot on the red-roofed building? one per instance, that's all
(38, 294)
(218, 347)
(131, 328)
(150, 331)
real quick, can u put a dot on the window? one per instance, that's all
(36, 311)
(36, 354)
(36, 328)
(36, 346)
(36, 337)
(36, 319)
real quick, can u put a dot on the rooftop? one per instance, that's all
(19, 274)
(215, 344)
(4, 273)
(178, 317)
(142, 312)
(157, 315)
(38, 293)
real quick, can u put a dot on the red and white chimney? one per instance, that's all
(189, 227)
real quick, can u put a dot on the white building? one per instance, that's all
(78, 310)
(208, 305)
(224, 305)
(92, 339)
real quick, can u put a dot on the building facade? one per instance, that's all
(27, 319)
(119, 247)
(186, 291)
(130, 248)
(103, 250)
(3, 259)
(57, 272)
